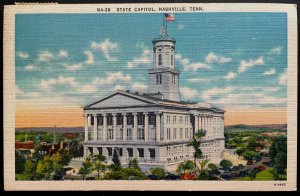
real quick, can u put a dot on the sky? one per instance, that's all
(235, 61)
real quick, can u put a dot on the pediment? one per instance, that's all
(120, 100)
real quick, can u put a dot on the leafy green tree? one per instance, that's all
(115, 175)
(65, 157)
(158, 172)
(213, 168)
(86, 168)
(278, 154)
(58, 163)
(30, 170)
(250, 155)
(280, 163)
(99, 157)
(253, 173)
(19, 162)
(132, 173)
(116, 161)
(240, 151)
(226, 164)
(44, 168)
(99, 166)
(196, 143)
(185, 166)
(133, 163)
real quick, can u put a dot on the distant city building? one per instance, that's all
(155, 127)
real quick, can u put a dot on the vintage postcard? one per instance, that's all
(150, 97)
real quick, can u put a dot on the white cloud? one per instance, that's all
(230, 76)
(216, 92)
(63, 54)
(119, 87)
(245, 65)
(241, 96)
(45, 56)
(188, 93)
(145, 58)
(31, 67)
(213, 58)
(107, 47)
(136, 86)
(90, 57)
(60, 81)
(21, 94)
(23, 55)
(271, 71)
(185, 62)
(201, 80)
(74, 67)
(283, 77)
(276, 50)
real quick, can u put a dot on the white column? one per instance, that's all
(104, 127)
(95, 127)
(222, 127)
(134, 133)
(86, 128)
(146, 154)
(146, 127)
(157, 128)
(124, 127)
(209, 125)
(125, 155)
(114, 126)
(196, 123)
(200, 120)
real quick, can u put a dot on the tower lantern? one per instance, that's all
(163, 77)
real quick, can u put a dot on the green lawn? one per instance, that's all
(260, 176)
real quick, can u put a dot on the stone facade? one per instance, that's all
(155, 127)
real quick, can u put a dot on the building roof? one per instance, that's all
(155, 101)
(164, 38)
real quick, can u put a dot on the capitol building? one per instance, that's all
(153, 127)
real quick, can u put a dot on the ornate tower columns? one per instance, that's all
(114, 126)
(135, 124)
(146, 126)
(157, 126)
(104, 127)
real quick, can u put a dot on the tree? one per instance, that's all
(278, 154)
(99, 157)
(195, 143)
(44, 168)
(99, 167)
(250, 155)
(116, 161)
(185, 166)
(158, 172)
(19, 162)
(133, 163)
(213, 168)
(132, 173)
(226, 164)
(58, 163)
(29, 170)
(86, 168)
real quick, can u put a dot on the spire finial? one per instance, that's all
(163, 31)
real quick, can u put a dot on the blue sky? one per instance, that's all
(226, 59)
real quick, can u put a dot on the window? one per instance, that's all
(174, 119)
(121, 134)
(180, 119)
(109, 150)
(159, 59)
(129, 120)
(130, 152)
(120, 151)
(119, 120)
(100, 150)
(168, 119)
(129, 134)
(109, 120)
(173, 79)
(152, 152)
(158, 78)
(100, 120)
(141, 152)
(110, 134)
(151, 119)
(180, 133)
(92, 120)
(174, 133)
(141, 134)
(168, 133)
(186, 133)
(172, 60)
(140, 119)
